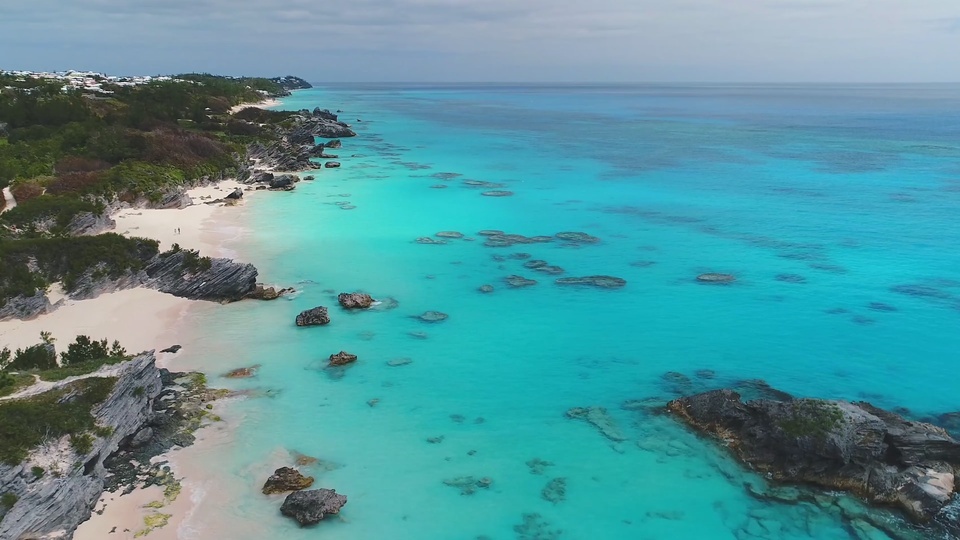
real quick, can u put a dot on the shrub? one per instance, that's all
(26, 423)
(82, 443)
(38, 472)
(83, 349)
(40, 356)
(7, 500)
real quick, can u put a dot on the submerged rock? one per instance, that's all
(519, 281)
(577, 237)
(603, 282)
(791, 278)
(432, 316)
(490, 232)
(855, 447)
(397, 362)
(600, 419)
(534, 264)
(486, 289)
(268, 293)
(286, 479)
(538, 466)
(313, 317)
(497, 193)
(243, 373)
(355, 300)
(716, 278)
(342, 358)
(331, 165)
(555, 491)
(310, 507)
(426, 240)
(468, 485)
(449, 234)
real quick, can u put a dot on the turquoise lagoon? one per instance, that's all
(834, 206)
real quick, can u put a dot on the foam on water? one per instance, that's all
(821, 201)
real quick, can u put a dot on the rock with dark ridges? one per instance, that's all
(486, 289)
(791, 278)
(237, 193)
(714, 277)
(490, 232)
(335, 143)
(88, 223)
(855, 447)
(534, 264)
(331, 165)
(286, 479)
(310, 507)
(355, 300)
(223, 281)
(603, 282)
(317, 316)
(243, 373)
(342, 358)
(449, 234)
(172, 349)
(26, 307)
(426, 240)
(432, 316)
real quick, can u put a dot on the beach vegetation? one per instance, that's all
(38, 472)
(84, 349)
(40, 356)
(65, 411)
(8, 500)
(812, 418)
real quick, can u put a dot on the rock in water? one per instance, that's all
(433, 316)
(355, 300)
(603, 282)
(313, 317)
(310, 507)
(601, 419)
(342, 358)
(716, 278)
(286, 479)
(172, 349)
(332, 164)
(856, 447)
(237, 193)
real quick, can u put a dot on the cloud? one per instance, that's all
(495, 39)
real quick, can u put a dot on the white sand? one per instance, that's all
(9, 202)
(261, 104)
(143, 319)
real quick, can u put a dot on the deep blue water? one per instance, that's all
(835, 206)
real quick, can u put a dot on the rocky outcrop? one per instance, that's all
(283, 182)
(342, 358)
(310, 507)
(26, 307)
(331, 165)
(317, 316)
(355, 300)
(223, 281)
(286, 479)
(855, 447)
(88, 223)
(261, 292)
(53, 505)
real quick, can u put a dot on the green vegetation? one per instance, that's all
(14, 382)
(812, 418)
(67, 154)
(38, 472)
(7, 500)
(26, 423)
(38, 356)
(84, 350)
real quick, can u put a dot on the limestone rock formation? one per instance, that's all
(286, 479)
(313, 317)
(355, 300)
(851, 446)
(311, 507)
(342, 358)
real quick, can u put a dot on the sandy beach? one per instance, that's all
(143, 319)
(261, 104)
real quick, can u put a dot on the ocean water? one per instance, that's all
(835, 207)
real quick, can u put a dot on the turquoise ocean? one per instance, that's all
(835, 206)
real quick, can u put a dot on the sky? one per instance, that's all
(493, 40)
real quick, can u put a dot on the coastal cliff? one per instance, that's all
(57, 485)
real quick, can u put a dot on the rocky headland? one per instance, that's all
(855, 447)
(136, 411)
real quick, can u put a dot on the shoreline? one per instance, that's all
(145, 319)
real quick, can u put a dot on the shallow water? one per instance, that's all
(834, 207)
